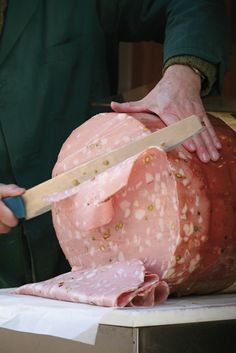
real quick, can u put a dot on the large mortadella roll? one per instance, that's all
(169, 210)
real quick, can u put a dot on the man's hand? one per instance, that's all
(7, 218)
(175, 97)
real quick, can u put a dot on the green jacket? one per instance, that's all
(58, 56)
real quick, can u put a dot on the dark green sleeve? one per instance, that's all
(198, 28)
(195, 28)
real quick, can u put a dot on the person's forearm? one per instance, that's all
(198, 29)
(206, 70)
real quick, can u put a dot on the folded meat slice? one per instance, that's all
(117, 285)
(92, 204)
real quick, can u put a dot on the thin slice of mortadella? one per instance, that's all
(91, 201)
(116, 285)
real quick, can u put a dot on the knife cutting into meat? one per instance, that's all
(36, 201)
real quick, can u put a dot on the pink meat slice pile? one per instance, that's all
(168, 210)
(133, 286)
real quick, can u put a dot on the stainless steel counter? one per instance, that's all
(186, 325)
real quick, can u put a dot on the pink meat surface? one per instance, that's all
(117, 285)
(155, 223)
(172, 212)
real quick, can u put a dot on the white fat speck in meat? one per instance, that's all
(149, 178)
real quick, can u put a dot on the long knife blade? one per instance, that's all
(36, 200)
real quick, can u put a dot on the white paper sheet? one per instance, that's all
(80, 321)
(50, 317)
